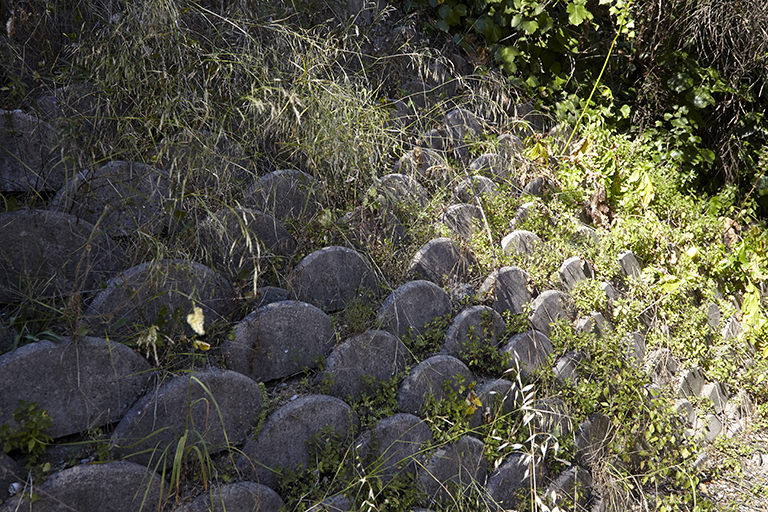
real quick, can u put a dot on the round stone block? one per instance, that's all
(238, 238)
(283, 440)
(332, 278)
(88, 382)
(285, 194)
(278, 340)
(394, 445)
(47, 253)
(29, 160)
(457, 467)
(441, 261)
(240, 496)
(211, 410)
(359, 364)
(429, 378)
(113, 487)
(475, 325)
(159, 293)
(120, 197)
(412, 306)
(510, 288)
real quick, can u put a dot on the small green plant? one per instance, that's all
(429, 341)
(30, 436)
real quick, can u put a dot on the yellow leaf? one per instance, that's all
(196, 320)
(202, 345)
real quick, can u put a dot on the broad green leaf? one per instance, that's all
(702, 99)
(577, 13)
(679, 82)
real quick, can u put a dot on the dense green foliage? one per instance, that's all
(690, 73)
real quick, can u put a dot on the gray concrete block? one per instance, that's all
(510, 288)
(430, 378)
(213, 408)
(283, 440)
(411, 307)
(82, 383)
(359, 364)
(332, 278)
(278, 340)
(46, 253)
(474, 325)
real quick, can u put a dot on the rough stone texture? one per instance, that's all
(279, 340)
(528, 350)
(113, 487)
(412, 306)
(551, 415)
(435, 139)
(441, 261)
(399, 190)
(592, 439)
(715, 392)
(429, 377)
(708, 427)
(690, 383)
(120, 197)
(366, 228)
(559, 136)
(739, 406)
(492, 165)
(213, 408)
(610, 292)
(76, 104)
(29, 157)
(332, 278)
(474, 186)
(630, 266)
(635, 343)
(574, 485)
(240, 497)
(511, 288)
(518, 473)
(732, 329)
(460, 466)
(393, 446)
(686, 411)
(237, 238)
(335, 503)
(575, 269)
(586, 236)
(7, 337)
(463, 219)
(535, 121)
(426, 165)
(714, 316)
(269, 294)
(538, 187)
(595, 324)
(661, 366)
(359, 364)
(477, 324)
(157, 291)
(520, 241)
(283, 440)
(285, 194)
(510, 145)
(521, 214)
(82, 383)
(49, 253)
(567, 366)
(10, 473)
(461, 124)
(499, 398)
(550, 306)
(365, 11)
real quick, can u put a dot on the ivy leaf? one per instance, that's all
(577, 13)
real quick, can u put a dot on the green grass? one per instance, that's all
(247, 89)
